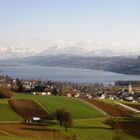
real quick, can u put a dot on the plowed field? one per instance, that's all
(110, 109)
(132, 128)
(31, 131)
(27, 108)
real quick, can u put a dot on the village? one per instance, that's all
(32, 100)
(127, 91)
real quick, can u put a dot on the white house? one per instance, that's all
(49, 93)
(88, 96)
(102, 96)
(43, 93)
(77, 95)
(68, 95)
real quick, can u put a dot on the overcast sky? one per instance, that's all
(69, 20)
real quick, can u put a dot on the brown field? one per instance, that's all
(31, 131)
(27, 108)
(110, 109)
(132, 128)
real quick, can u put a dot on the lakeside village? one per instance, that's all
(121, 90)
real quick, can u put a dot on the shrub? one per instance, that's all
(110, 121)
(5, 93)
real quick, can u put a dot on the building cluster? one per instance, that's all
(123, 93)
(83, 90)
(126, 93)
(35, 87)
(6, 81)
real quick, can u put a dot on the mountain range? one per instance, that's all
(84, 49)
(124, 61)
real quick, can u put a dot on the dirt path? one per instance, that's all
(128, 107)
(137, 107)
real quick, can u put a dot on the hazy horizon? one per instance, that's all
(39, 23)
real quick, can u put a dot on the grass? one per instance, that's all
(98, 130)
(88, 122)
(7, 113)
(114, 101)
(78, 109)
(13, 138)
(94, 129)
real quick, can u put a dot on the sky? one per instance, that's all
(31, 21)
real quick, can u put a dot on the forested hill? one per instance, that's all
(128, 66)
(124, 65)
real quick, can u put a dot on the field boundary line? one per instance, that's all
(103, 112)
(130, 108)
(41, 106)
(6, 133)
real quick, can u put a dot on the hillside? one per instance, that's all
(78, 109)
(127, 66)
(7, 113)
(119, 64)
(124, 65)
(89, 123)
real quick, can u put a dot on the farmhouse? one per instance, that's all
(36, 119)
(69, 95)
(76, 95)
(88, 96)
(43, 93)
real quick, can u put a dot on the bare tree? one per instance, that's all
(64, 118)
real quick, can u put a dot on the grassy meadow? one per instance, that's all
(78, 109)
(88, 122)
(92, 129)
(7, 113)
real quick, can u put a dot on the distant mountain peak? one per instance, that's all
(85, 49)
(16, 52)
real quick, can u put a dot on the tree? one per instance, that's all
(54, 91)
(64, 118)
(20, 87)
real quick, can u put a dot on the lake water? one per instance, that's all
(64, 74)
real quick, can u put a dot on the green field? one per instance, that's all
(88, 122)
(92, 129)
(7, 113)
(78, 109)
(114, 101)
(14, 138)
(97, 130)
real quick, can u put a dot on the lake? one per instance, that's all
(64, 74)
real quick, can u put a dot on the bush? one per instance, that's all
(5, 93)
(110, 121)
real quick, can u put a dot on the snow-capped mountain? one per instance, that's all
(90, 49)
(16, 52)
(85, 49)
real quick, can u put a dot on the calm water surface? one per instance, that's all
(64, 74)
